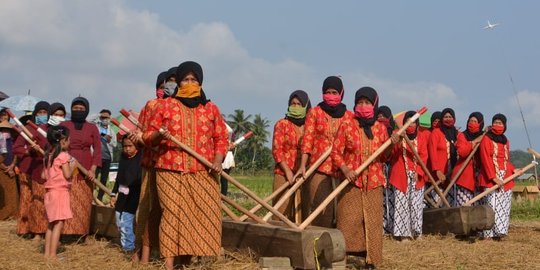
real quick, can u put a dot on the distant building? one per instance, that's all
(527, 177)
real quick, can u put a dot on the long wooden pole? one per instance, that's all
(462, 168)
(233, 181)
(362, 167)
(298, 183)
(242, 209)
(506, 180)
(267, 199)
(425, 169)
(18, 123)
(229, 212)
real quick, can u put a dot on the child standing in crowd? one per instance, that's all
(128, 187)
(59, 166)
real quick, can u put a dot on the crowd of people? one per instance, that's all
(174, 199)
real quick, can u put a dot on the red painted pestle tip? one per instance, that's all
(115, 122)
(422, 110)
(248, 134)
(32, 124)
(125, 113)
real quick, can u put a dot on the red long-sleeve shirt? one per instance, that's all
(352, 148)
(439, 151)
(286, 145)
(201, 128)
(491, 154)
(319, 132)
(464, 147)
(398, 174)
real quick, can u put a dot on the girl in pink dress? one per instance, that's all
(59, 166)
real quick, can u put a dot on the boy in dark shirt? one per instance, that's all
(127, 189)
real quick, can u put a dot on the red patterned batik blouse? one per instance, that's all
(201, 128)
(319, 132)
(286, 145)
(352, 147)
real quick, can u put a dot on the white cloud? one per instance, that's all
(111, 54)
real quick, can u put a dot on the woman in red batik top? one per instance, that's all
(322, 123)
(288, 134)
(360, 205)
(188, 191)
(466, 141)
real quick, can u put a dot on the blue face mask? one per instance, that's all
(41, 119)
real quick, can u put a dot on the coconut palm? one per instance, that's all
(238, 122)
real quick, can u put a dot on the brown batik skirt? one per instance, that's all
(191, 220)
(81, 205)
(360, 219)
(287, 209)
(25, 199)
(9, 199)
(148, 212)
(38, 215)
(314, 191)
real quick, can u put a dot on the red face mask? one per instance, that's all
(497, 129)
(385, 121)
(365, 111)
(473, 127)
(449, 122)
(410, 129)
(159, 93)
(332, 100)
(436, 123)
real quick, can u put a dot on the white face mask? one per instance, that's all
(55, 120)
(169, 88)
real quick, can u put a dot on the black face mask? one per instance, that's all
(78, 116)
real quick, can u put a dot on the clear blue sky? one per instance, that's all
(255, 53)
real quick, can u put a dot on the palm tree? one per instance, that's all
(260, 136)
(238, 122)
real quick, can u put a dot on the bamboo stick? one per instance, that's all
(242, 209)
(229, 212)
(462, 169)
(425, 169)
(298, 183)
(506, 180)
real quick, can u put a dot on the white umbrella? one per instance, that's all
(20, 103)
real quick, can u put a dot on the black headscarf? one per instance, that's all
(471, 136)
(450, 133)
(304, 99)
(79, 117)
(171, 73)
(333, 82)
(55, 107)
(42, 105)
(181, 72)
(408, 115)
(385, 110)
(436, 115)
(161, 78)
(373, 97)
(498, 138)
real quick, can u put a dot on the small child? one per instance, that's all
(128, 188)
(59, 166)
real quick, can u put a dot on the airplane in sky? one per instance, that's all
(491, 26)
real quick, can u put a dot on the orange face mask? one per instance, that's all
(189, 90)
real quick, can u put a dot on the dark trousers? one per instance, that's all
(103, 173)
(224, 183)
